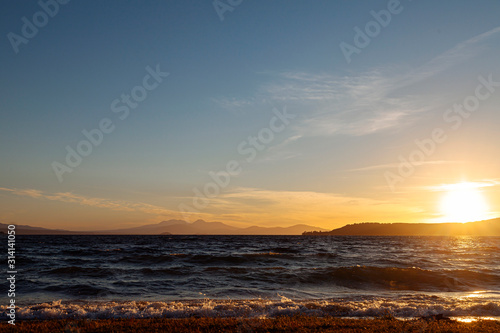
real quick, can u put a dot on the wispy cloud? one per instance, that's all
(362, 103)
(285, 142)
(233, 103)
(396, 165)
(458, 54)
(278, 151)
(352, 105)
(322, 209)
(373, 101)
(464, 185)
(68, 197)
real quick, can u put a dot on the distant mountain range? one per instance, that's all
(200, 227)
(29, 230)
(480, 228)
(173, 227)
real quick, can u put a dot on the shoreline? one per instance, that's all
(404, 307)
(243, 324)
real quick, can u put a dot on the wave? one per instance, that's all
(281, 250)
(231, 270)
(145, 259)
(395, 278)
(81, 271)
(375, 278)
(235, 258)
(80, 290)
(410, 306)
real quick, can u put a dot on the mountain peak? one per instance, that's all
(171, 222)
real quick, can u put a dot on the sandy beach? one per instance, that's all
(280, 324)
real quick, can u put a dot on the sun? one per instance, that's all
(463, 202)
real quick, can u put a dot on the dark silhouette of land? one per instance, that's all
(29, 230)
(200, 227)
(480, 228)
(172, 227)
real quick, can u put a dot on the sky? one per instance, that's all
(272, 113)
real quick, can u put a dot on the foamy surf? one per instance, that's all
(408, 306)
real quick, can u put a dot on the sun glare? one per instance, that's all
(463, 202)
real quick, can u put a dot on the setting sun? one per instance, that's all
(463, 202)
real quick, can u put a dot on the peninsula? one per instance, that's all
(479, 228)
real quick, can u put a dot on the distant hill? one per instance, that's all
(480, 228)
(293, 230)
(29, 230)
(200, 227)
(172, 227)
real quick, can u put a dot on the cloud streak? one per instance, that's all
(458, 54)
(363, 103)
(396, 165)
(284, 208)
(67, 197)
(464, 185)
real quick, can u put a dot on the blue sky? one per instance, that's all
(328, 166)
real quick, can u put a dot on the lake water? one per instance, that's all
(265, 276)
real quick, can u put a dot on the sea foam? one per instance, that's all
(409, 306)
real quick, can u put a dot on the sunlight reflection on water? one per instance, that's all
(473, 319)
